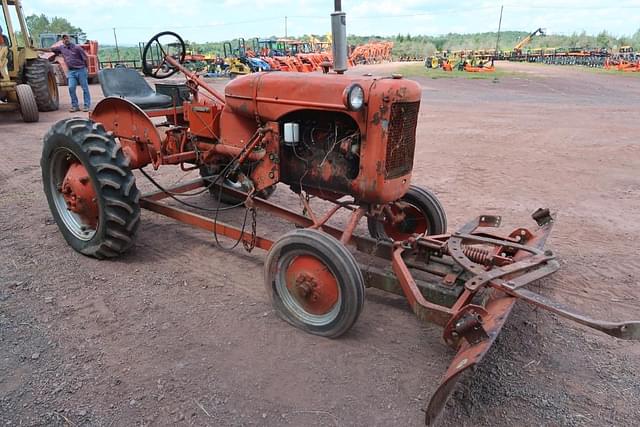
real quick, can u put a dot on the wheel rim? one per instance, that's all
(53, 86)
(74, 195)
(308, 289)
(414, 222)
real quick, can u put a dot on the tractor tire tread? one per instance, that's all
(27, 103)
(61, 77)
(37, 74)
(115, 185)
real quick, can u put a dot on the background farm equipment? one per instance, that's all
(517, 53)
(195, 62)
(625, 59)
(622, 65)
(48, 40)
(240, 61)
(462, 60)
(373, 53)
(346, 141)
(234, 66)
(27, 82)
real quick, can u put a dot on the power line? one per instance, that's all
(576, 8)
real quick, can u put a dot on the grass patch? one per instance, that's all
(593, 70)
(419, 70)
(604, 71)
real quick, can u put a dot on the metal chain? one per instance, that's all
(304, 209)
(248, 246)
(372, 254)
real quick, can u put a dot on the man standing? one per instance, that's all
(77, 61)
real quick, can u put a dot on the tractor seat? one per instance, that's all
(129, 84)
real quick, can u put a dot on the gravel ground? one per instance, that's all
(181, 332)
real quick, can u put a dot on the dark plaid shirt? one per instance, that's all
(74, 55)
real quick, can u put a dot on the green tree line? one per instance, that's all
(40, 24)
(421, 45)
(404, 44)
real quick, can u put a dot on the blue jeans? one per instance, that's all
(79, 77)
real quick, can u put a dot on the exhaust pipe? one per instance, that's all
(339, 34)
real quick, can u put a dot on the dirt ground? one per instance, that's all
(181, 332)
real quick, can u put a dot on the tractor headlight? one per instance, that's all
(355, 97)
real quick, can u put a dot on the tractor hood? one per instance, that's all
(272, 95)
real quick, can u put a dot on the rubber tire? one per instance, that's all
(214, 190)
(27, 104)
(61, 77)
(118, 196)
(427, 203)
(343, 266)
(40, 76)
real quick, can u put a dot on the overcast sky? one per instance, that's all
(200, 20)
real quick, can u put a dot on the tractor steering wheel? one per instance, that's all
(156, 51)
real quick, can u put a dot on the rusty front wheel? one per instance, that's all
(90, 189)
(418, 212)
(314, 283)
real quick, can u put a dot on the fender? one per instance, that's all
(138, 136)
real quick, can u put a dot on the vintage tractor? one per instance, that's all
(345, 140)
(27, 82)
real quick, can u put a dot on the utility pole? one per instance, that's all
(116, 39)
(498, 39)
(285, 27)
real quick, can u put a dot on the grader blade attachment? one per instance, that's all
(623, 330)
(473, 328)
(496, 313)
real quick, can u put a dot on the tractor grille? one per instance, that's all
(401, 141)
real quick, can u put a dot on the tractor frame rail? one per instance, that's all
(467, 282)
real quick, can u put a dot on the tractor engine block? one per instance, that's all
(320, 150)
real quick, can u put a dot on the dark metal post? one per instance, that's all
(498, 39)
(339, 33)
(116, 39)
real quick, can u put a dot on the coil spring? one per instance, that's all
(477, 255)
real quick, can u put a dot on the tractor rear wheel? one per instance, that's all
(40, 76)
(61, 77)
(314, 282)
(419, 212)
(90, 189)
(27, 103)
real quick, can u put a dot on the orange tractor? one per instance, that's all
(346, 140)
